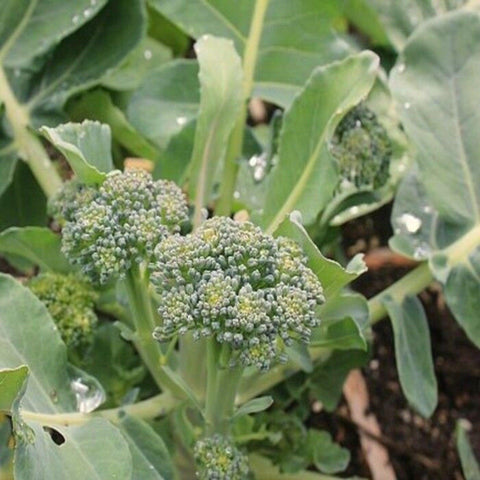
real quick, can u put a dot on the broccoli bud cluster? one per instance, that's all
(121, 223)
(70, 301)
(66, 201)
(230, 281)
(362, 148)
(217, 458)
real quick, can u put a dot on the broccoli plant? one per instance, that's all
(198, 306)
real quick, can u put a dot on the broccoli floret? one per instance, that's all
(230, 281)
(70, 301)
(122, 222)
(217, 458)
(72, 194)
(362, 149)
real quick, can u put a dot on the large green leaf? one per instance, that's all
(413, 353)
(29, 337)
(220, 103)
(86, 146)
(151, 459)
(29, 28)
(128, 75)
(444, 54)
(305, 176)
(419, 230)
(96, 451)
(167, 99)
(437, 213)
(81, 59)
(38, 245)
(295, 37)
(400, 18)
(82, 46)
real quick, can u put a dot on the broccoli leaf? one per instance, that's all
(86, 146)
(288, 50)
(413, 353)
(220, 102)
(29, 28)
(470, 466)
(96, 450)
(437, 210)
(37, 245)
(151, 459)
(169, 95)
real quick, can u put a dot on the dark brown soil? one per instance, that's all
(419, 449)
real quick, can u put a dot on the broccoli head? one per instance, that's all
(121, 222)
(362, 149)
(230, 281)
(217, 458)
(63, 205)
(70, 301)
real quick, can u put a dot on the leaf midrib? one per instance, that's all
(19, 30)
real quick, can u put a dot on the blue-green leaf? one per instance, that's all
(413, 352)
(86, 146)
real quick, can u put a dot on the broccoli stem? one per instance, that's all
(137, 285)
(28, 145)
(222, 385)
(153, 407)
(235, 143)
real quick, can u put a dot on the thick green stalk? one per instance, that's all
(147, 409)
(29, 146)
(222, 385)
(137, 286)
(235, 143)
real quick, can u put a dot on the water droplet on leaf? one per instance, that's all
(88, 394)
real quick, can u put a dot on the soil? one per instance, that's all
(419, 449)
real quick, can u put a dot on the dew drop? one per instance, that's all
(75, 19)
(258, 163)
(236, 195)
(87, 12)
(358, 124)
(147, 54)
(87, 394)
(409, 222)
(93, 2)
(407, 105)
(427, 209)
(181, 120)
(422, 251)
(401, 68)
(54, 396)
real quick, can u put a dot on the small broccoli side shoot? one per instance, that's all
(217, 458)
(70, 301)
(362, 149)
(230, 281)
(118, 225)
